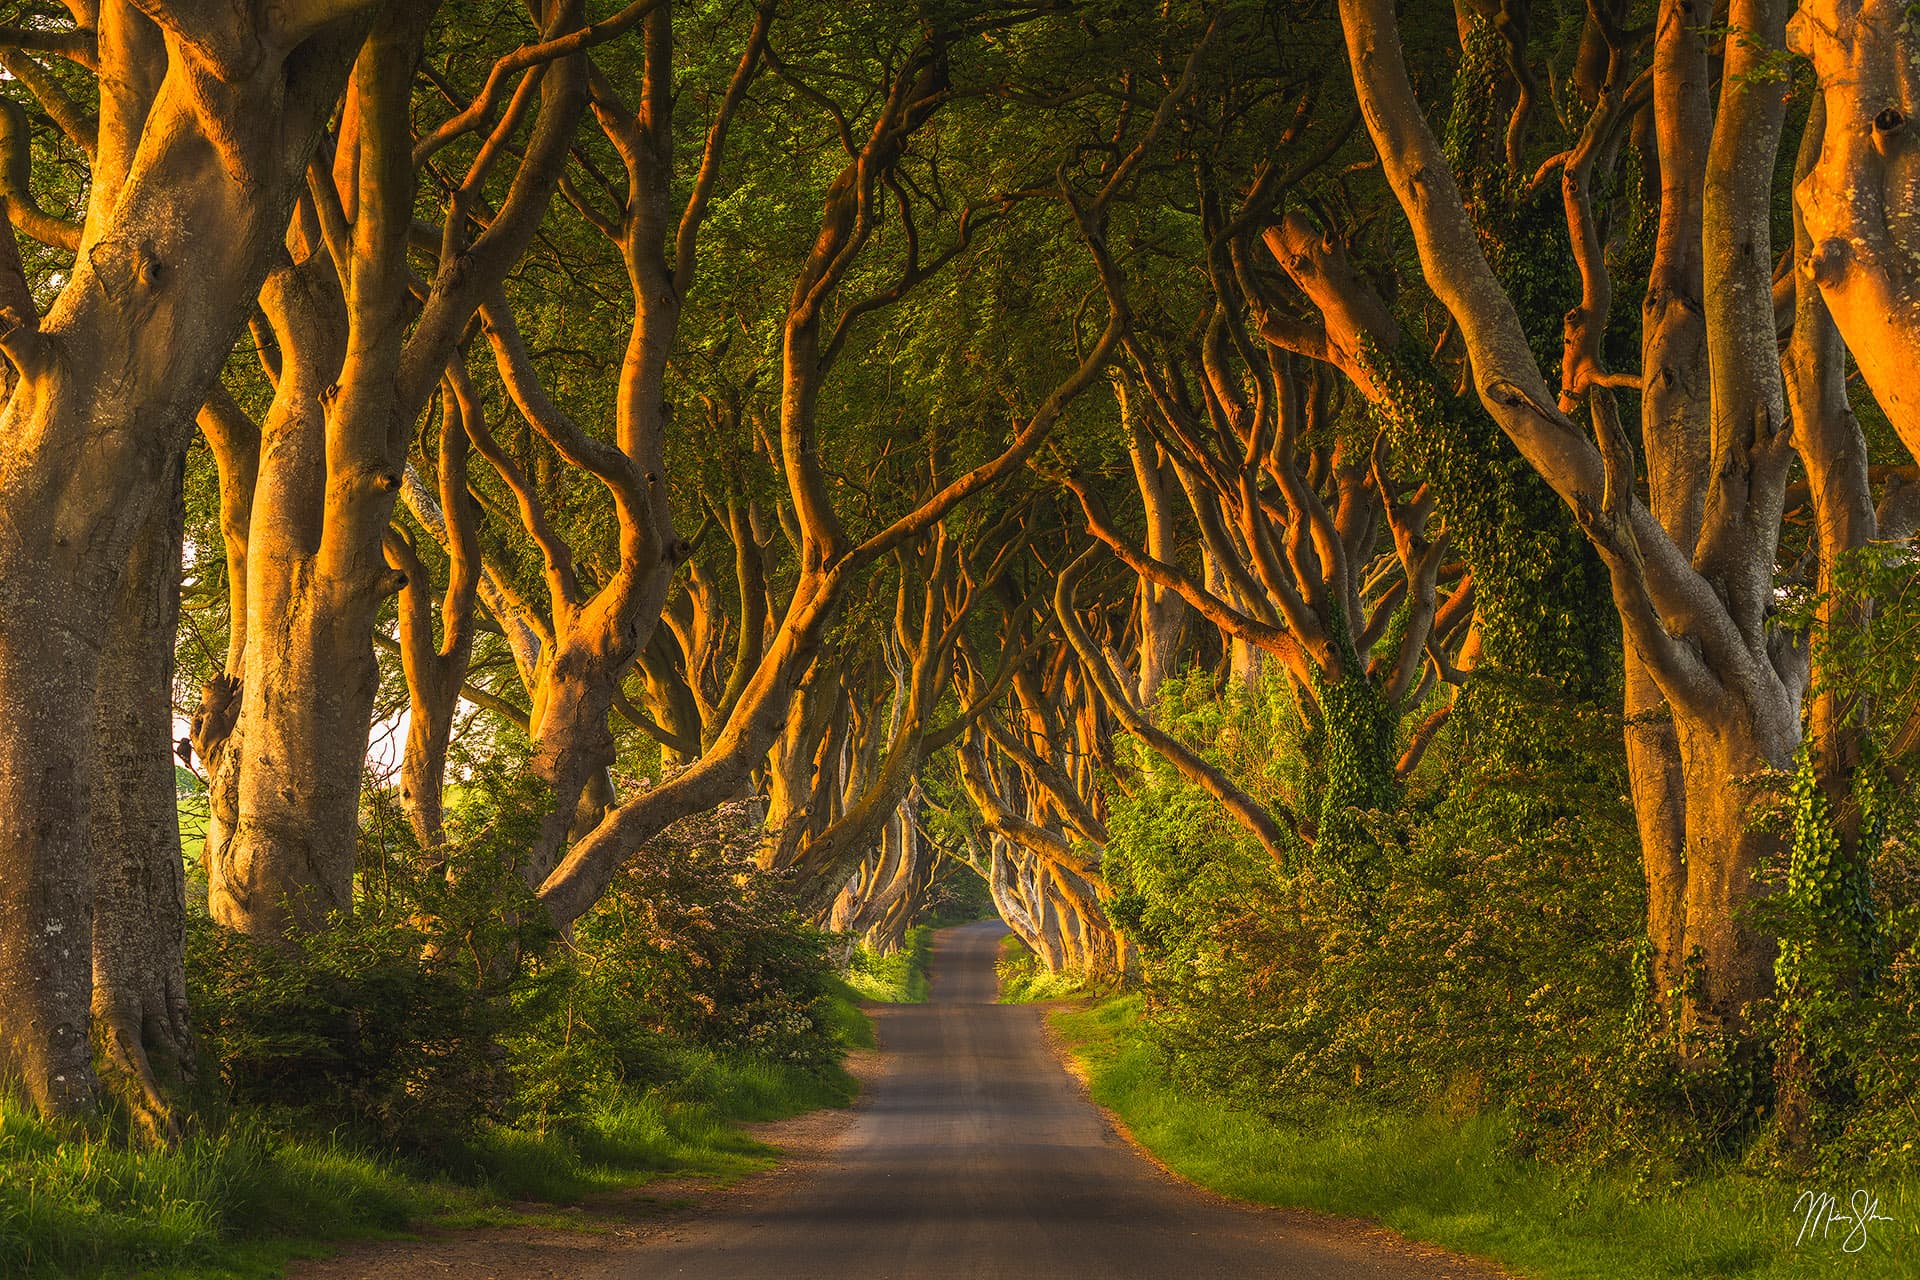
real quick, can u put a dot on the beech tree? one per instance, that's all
(926, 438)
(352, 379)
(830, 560)
(589, 639)
(1693, 573)
(206, 124)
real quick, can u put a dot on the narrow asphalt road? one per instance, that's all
(976, 1155)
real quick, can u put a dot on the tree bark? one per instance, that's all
(1676, 436)
(1861, 201)
(1161, 611)
(288, 790)
(139, 909)
(355, 380)
(1735, 717)
(189, 142)
(436, 668)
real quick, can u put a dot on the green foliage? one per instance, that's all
(899, 978)
(1355, 747)
(1542, 595)
(1500, 965)
(444, 1004)
(1492, 964)
(440, 1051)
(351, 1026)
(1844, 1023)
(692, 945)
(1522, 230)
(1540, 592)
(389, 1022)
(1829, 887)
(243, 1196)
(958, 893)
(1024, 980)
(1450, 1177)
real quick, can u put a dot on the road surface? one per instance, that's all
(976, 1155)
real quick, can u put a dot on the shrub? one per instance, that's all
(351, 1026)
(1494, 965)
(692, 945)
(445, 1004)
(899, 978)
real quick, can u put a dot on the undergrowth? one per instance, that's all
(242, 1198)
(1453, 1179)
(898, 978)
(427, 1060)
(1025, 980)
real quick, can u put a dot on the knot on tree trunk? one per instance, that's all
(1828, 261)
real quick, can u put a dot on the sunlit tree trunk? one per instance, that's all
(1861, 200)
(1736, 715)
(355, 378)
(1161, 612)
(436, 667)
(206, 126)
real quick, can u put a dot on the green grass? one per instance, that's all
(242, 1200)
(1455, 1184)
(1024, 980)
(688, 1127)
(900, 978)
(71, 1204)
(851, 1027)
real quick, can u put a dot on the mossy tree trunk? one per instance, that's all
(1698, 622)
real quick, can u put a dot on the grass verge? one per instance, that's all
(240, 1201)
(900, 978)
(1024, 980)
(1454, 1183)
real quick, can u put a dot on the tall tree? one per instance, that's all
(206, 125)
(359, 361)
(1700, 621)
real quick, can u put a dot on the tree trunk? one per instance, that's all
(1724, 770)
(93, 433)
(139, 911)
(1702, 632)
(1161, 611)
(1660, 813)
(235, 441)
(333, 458)
(903, 869)
(1014, 883)
(1677, 439)
(47, 677)
(1861, 202)
(293, 763)
(1358, 756)
(573, 741)
(436, 667)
